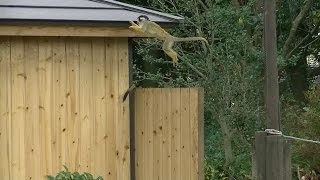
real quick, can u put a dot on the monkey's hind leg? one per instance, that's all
(167, 48)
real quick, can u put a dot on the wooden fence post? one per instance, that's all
(272, 157)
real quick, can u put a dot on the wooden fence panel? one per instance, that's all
(60, 105)
(169, 134)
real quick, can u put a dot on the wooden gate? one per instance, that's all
(168, 134)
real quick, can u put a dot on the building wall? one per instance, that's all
(60, 104)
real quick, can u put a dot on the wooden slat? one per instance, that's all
(123, 129)
(200, 121)
(149, 102)
(185, 135)
(112, 81)
(45, 91)
(157, 133)
(176, 136)
(32, 141)
(195, 134)
(59, 103)
(63, 129)
(55, 106)
(86, 111)
(167, 132)
(76, 31)
(139, 134)
(99, 106)
(18, 108)
(144, 125)
(73, 104)
(5, 105)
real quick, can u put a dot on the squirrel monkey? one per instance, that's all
(152, 29)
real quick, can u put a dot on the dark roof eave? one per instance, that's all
(76, 23)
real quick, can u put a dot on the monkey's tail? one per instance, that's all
(130, 89)
(178, 39)
(204, 41)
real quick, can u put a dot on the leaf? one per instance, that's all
(65, 167)
(99, 178)
(50, 177)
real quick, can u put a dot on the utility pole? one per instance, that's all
(272, 151)
(270, 48)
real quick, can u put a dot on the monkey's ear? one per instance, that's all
(143, 18)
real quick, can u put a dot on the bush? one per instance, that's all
(66, 175)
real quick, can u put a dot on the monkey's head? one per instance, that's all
(143, 18)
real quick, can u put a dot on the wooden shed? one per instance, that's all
(64, 67)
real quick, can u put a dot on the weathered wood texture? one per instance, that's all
(272, 156)
(271, 77)
(60, 105)
(169, 134)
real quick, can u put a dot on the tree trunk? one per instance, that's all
(226, 132)
(226, 143)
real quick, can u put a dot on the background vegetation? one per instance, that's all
(234, 87)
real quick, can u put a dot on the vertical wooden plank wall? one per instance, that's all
(169, 134)
(60, 104)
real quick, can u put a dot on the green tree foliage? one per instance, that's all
(298, 28)
(234, 70)
(298, 23)
(304, 122)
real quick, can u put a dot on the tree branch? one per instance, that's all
(314, 30)
(295, 25)
(204, 6)
(313, 41)
(192, 67)
(235, 3)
